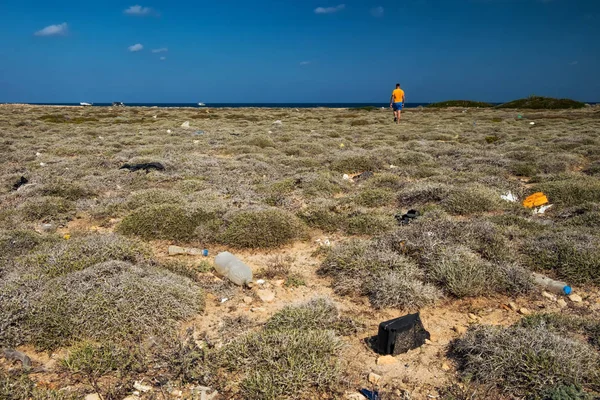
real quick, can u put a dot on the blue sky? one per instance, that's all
(298, 50)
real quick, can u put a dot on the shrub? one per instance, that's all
(525, 361)
(374, 197)
(277, 267)
(18, 242)
(367, 224)
(262, 228)
(322, 216)
(83, 252)
(261, 141)
(423, 193)
(109, 301)
(48, 209)
(355, 163)
(319, 313)
(166, 221)
(152, 197)
(572, 256)
(18, 386)
(287, 359)
(397, 289)
(67, 189)
(523, 169)
(571, 192)
(470, 200)
(460, 271)
(539, 102)
(386, 180)
(566, 325)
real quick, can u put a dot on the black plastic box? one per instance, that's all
(400, 335)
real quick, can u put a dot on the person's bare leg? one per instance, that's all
(397, 116)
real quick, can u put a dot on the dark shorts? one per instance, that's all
(397, 106)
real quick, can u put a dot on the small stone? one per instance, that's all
(279, 282)
(513, 306)
(266, 296)
(427, 341)
(258, 309)
(142, 388)
(445, 366)
(549, 296)
(355, 396)
(524, 311)
(374, 378)
(575, 298)
(186, 124)
(132, 397)
(386, 360)
(93, 396)
(473, 317)
(461, 330)
(177, 393)
(248, 300)
(561, 303)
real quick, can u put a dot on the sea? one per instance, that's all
(244, 105)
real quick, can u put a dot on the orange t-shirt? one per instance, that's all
(398, 95)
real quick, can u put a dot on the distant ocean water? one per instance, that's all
(244, 105)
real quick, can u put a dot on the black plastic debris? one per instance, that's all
(407, 218)
(145, 166)
(400, 335)
(363, 177)
(20, 183)
(370, 394)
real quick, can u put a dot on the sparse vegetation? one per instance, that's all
(460, 103)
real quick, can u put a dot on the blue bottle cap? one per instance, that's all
(205, 253)
(567, 290)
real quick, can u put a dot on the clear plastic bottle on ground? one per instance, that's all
(231, 267)
(551, 285)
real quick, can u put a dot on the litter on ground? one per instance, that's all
(535, 200)
(509, 197)
(400, 335)
(186, 124)
(541, 209)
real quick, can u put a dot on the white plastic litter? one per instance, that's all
(346, 177)
(278, 122)
(392, 166)
(260, 281)
(224, 299)
(542, 209)
(186, 124)
(38, 154)
(509, 197)
(270, 132)
(168, 131)
(154, 116)
(532, 123)
(42, 164)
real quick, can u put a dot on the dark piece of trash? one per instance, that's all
(400, 335)
(234, 134)
(145, 166)
(370, 394)
(199, 133)
(20, 183)
(363, 177)
(14, 355)
(407, 218)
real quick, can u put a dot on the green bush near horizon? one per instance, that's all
(543, 103)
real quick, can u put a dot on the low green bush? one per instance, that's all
(539, 102)
(460, 103)
(471, 199)
(524, 362)
(374, 197)
(47, 209)
(262, 229)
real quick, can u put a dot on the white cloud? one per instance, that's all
(161, 50)
(136, 47)
(329, 10)
(304, 62)
(138, 10)
(53, 30)
(377, 12)
(574, 63)
(163, 58)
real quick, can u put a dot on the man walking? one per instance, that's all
(397, 102)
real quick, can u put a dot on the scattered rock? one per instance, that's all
(561, 303)
(279, 282)
(266, 296)
(473, 317)
(513, 306)
(461, 330)
(93, 396)
(142, 388)
(386, 360)
(575, 298)
(374, 378)
(258, 309)
(549, 296)
(248, 300)
(177, 393)
(445, 366)
(524, 311)
(278, 122)
(186, 124)
(132, 397)
(427, 341)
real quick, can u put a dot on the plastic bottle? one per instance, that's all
(176, 250)
(551, 285)
(231, 267)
